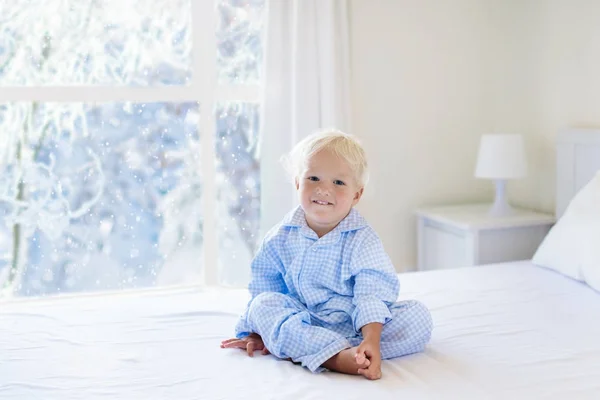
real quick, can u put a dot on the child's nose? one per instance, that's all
(323, 189)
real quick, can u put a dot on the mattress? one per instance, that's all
(505, 331)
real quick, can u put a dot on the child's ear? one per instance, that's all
(297, 183)
(358, 195)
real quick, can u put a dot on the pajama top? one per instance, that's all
(344, 277)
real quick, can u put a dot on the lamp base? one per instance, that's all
(501, 207)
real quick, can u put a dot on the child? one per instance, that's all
(323, 288)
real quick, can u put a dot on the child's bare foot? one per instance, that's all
(347, 362)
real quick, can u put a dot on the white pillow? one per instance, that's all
(591, 255)
(572, 245)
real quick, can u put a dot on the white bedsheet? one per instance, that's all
(509, 331)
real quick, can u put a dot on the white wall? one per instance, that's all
(421, 93)
(566, 83)
(430, 76)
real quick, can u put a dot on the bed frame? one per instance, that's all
(577, 161)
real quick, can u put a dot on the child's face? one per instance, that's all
(328, 190)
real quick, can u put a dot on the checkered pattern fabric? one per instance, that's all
(311, 296)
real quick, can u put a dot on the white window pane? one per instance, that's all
(239, 46)
(238, 186)
(120, 42)
(99, 197)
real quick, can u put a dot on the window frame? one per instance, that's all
(204, 88)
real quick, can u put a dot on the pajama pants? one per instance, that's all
(289, 331)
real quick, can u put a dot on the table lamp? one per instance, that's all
(501, 157)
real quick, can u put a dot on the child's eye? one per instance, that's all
(313, 178)
(338, 182)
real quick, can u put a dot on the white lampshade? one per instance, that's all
(501, 156)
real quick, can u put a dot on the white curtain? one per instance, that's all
(306, 86)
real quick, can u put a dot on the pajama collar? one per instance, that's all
(352, 222)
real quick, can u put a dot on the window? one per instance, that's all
(128, 156)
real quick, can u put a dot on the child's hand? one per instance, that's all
(369, 349)
(249, 343)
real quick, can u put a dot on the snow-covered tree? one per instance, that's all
(64, 43)
(89, 192)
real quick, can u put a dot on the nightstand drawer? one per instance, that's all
(510, 244)
(444, 248)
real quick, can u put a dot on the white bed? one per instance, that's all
(506, 331)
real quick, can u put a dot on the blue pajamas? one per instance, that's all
(311, 296)
(289, 331)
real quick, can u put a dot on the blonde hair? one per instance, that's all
(343, 145)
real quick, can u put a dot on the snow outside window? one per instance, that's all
(128, 143)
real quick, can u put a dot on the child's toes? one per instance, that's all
(360, 358)
(362, 361)
(369, 374)
(365, 363)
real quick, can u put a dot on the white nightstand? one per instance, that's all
(466, 235)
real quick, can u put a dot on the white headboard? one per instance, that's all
(577, 161)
